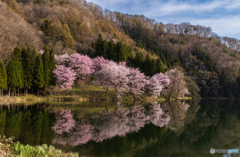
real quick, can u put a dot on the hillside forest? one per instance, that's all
(44, 43)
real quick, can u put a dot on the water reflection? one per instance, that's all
(121, 122)
(176, 129)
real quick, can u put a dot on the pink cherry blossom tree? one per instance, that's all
(98, 62)
(82, 65)
(136, 81)
(157, 84)
(65, 77)
(114, 75)
(64, 122)
(100, 78)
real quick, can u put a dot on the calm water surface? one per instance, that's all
(177, 129)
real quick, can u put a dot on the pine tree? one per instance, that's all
(18, 69)
(38, 74)
(46, 69)
(147, 65)
(11, 76)
(121, 52)
(33, 63)
(138, 61)
(98, 46)
(160, 69)
(111, 51)
(3, 77)
(153, 68)
(27, 68)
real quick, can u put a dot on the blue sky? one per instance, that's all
(223, 16)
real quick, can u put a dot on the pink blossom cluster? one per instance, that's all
(107, 74)
(65, 76)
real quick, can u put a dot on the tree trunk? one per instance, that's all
(18, 92)
(9, 93)
(38, 91)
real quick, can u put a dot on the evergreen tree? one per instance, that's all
(160, 69)
(111, 51)
(38, 75)
(46, 69)
(153, 68)
(52, 67)
(98, 46)
(11, 76)
(147, 65)
(138, 60)
(3, 77)
(17, 57)
(121, 52)
(27, 68)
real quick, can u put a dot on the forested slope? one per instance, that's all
(71, 26)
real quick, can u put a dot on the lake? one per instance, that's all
(177, 129)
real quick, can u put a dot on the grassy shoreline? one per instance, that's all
(80, 94)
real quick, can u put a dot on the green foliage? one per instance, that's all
(44, 26)
(2, 121)
(61, 32)
(27, 67)
(177, 41)
(109, 50)
(225, 49)
(206, 59)
(234, 55)
(46, 68)
(11, 76)
(38, 75)
(3, 76)
(41, 151)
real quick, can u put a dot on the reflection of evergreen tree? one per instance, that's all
(47, 133)
(37, 127)
(13, 124)
(26, 130)
(2, 121)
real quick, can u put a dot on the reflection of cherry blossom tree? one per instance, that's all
(158, 116)
(64, 122)
(122, 121)
(81, 135)
(177, 111)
